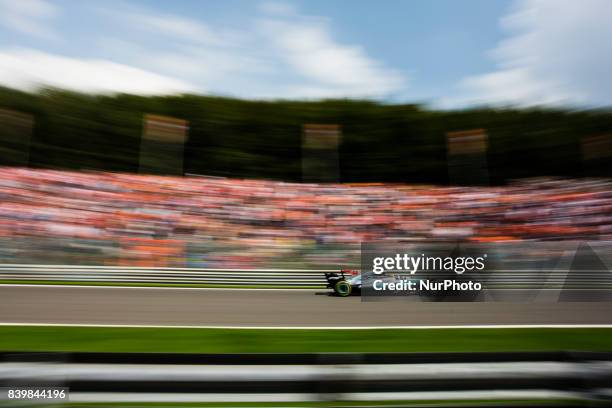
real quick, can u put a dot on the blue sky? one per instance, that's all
(449, 53)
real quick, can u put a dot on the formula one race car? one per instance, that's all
(344, 283)
(349, 282)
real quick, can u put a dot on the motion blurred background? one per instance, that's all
(351, 141)
(279, 136)
(217, 182)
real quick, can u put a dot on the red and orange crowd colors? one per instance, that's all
(158, 221)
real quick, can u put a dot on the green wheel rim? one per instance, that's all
(343, 288)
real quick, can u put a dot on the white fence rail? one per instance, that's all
(280, 278)
(295, 278)
(448, 380)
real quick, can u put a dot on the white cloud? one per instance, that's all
(279, 54)
(515, 86)
(555, 53)
(276, 53)
(327, 68)
(29, 69)
(170, 25)
(29, 17)
(278, 8)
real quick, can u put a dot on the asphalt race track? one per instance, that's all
(210, 307)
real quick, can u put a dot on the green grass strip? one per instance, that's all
(187, 340)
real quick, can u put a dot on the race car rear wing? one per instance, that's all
(333, 277)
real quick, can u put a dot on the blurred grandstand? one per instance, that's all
(49, 216)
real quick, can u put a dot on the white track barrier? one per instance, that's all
(294, 278)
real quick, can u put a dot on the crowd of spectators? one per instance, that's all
(218, 222)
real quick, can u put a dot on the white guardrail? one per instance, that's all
(295, 278)
(586, 381)
(281, 278)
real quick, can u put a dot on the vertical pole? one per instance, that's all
(467, 157)
(162, 145)
(320, 157)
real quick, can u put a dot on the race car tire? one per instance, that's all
(343, 288)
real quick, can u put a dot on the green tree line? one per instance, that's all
(263, 139)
